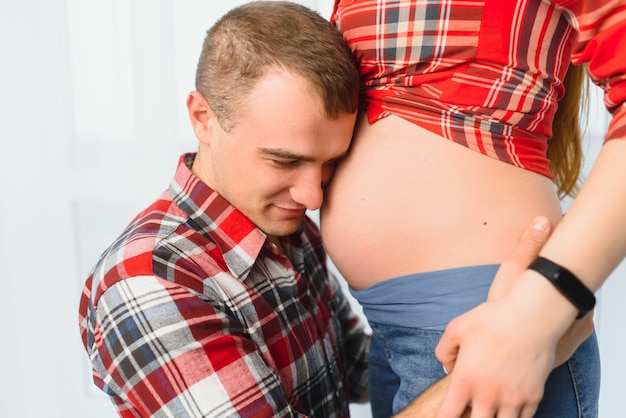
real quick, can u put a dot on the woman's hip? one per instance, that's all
(403, 358)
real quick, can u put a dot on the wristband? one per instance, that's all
(567, 284)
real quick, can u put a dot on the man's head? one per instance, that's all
(257, 36)
(275, 109)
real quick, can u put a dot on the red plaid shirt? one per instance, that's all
(192, 313)
(485, 73)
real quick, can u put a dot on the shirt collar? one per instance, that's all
(236, 237)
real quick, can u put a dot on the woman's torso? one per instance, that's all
(448, 163)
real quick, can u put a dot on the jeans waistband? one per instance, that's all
(427, 300)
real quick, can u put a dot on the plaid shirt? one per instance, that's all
(485, 73)
(192, 313)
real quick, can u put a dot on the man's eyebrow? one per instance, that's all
(280, 153)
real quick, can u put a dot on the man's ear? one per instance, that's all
(200, 115)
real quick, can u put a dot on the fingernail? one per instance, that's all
(540, 224)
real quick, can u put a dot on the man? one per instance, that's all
(216, 300)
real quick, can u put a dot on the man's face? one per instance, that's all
(280, 154)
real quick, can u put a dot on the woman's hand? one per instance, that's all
(501, 357)
(502, 352)
(512, 268)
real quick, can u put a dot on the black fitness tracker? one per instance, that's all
(566, 283)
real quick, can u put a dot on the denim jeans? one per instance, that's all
(403, 364)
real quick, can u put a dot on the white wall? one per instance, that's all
(92, 120)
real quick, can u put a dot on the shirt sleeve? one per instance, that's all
(601, 26)
(164, 351)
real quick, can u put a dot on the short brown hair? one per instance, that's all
(249, 39)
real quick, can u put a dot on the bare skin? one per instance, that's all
(438, 205)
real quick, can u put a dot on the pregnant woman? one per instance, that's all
(448, 165)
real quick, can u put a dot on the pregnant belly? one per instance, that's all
(407, 201)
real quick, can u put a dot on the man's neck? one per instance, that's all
(278, 244)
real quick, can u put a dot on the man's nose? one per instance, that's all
(308, 189)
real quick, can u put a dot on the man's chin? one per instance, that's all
(283, 228)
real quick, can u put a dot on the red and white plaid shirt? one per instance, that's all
(485, 73)
(192, 313)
